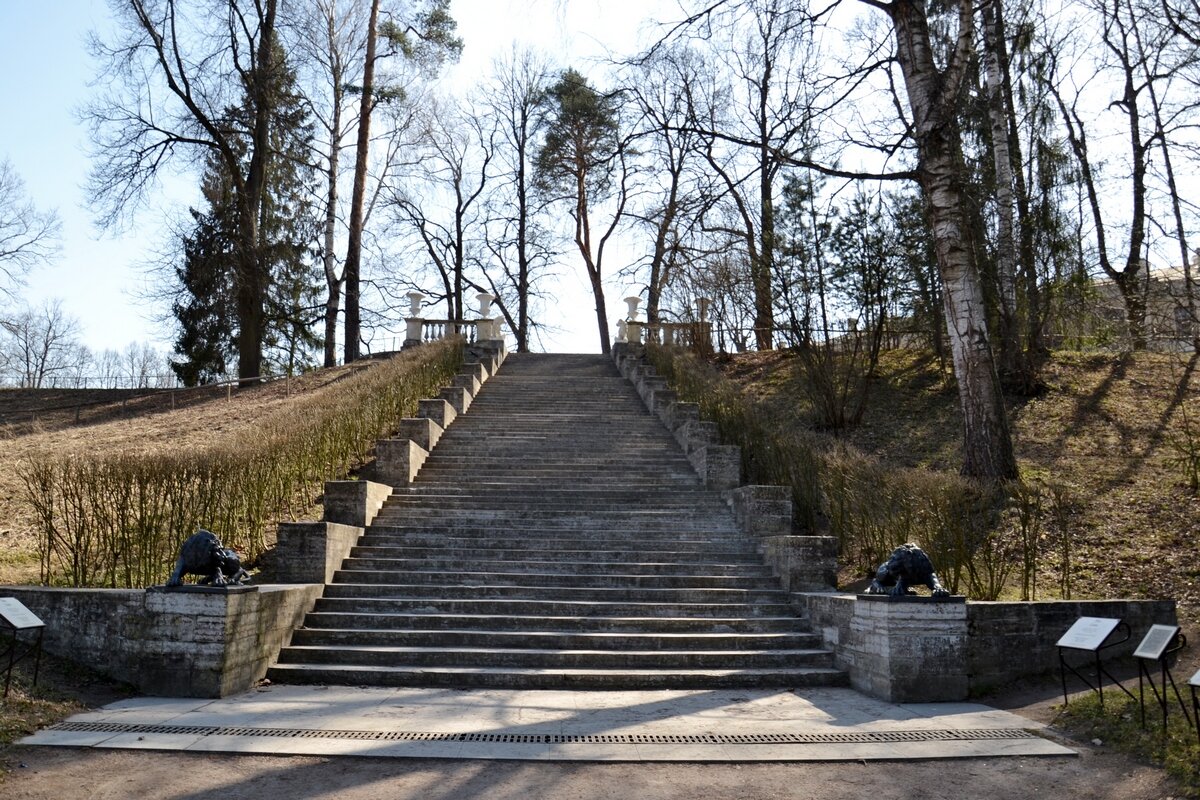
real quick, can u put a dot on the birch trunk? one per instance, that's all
(933, 97)
(1012, 362)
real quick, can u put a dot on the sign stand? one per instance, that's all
(1090, 634)
(1193, 684)
(15, 617)
(1161, 642)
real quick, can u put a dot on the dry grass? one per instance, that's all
(1104, 429)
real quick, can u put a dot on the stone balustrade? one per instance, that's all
(695, 335)
(422, 331)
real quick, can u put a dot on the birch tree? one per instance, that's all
(516, 236)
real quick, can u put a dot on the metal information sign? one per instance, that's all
(14, 618)
(1088, 633)
(1159, 643)
(1156, 641)
(14, 612)
(1195, 679)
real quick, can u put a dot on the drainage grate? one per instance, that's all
(872, 737)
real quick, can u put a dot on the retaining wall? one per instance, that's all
(926, 652)
(177, 644)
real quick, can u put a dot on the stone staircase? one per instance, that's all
(557, 536)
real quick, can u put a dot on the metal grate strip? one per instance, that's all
(866, 737)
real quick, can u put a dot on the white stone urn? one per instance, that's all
(632, 302)
(485, 304)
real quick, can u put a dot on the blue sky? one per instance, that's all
(101, 276)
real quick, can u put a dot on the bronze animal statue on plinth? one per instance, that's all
(908, 566)
(203, 554)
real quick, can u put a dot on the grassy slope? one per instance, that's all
(1103, 428)
(46, 422)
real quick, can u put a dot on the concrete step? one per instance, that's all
(559, 518)
(529, 658)
(572, 640)
(553, 607)
(590, 679)
(694, 496)
(471, 557)
(503, 481)
(523, 625)
(384, 589)
(466, 533)
(571, 565)
(360, 571)
(634, 506)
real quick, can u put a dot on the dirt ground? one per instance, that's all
(51, 773)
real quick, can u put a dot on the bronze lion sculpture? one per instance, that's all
(203, 554)
(908, 566)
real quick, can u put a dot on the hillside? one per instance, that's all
(61, 422)
(1106, 428)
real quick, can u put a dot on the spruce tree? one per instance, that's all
(206, 312)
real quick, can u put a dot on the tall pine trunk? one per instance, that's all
(350, 275)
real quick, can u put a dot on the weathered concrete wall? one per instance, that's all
(177, 644)
(1010, 640)
(1001, 641)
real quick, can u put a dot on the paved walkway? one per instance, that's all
(681, 726)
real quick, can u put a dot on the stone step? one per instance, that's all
(572, 564)
(498, 479)
(633, 518)
(557, 536)
(387, 590)
(633, 506)
(553, 607)
(610, 500)
(529, 658)
(690, 495)
(522, 625)
(591, 679)
(594, 641)
(376, 572)
(549, 538)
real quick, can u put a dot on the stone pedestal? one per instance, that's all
(311, 552)
(762, 510)
(421, 430)
(457, 397)
(438, 410)
(803, 563)
(909, 650)
(397, 461)
(720, 466)
(354, 502)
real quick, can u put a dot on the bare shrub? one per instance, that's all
(116, 519)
